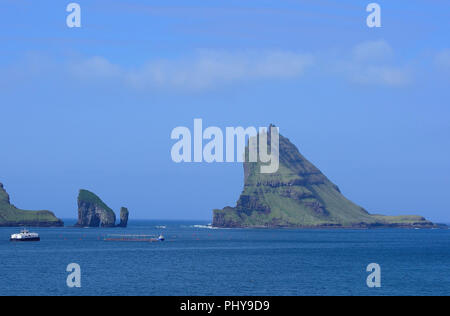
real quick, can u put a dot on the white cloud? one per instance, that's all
(95, 68)
(382, 75)
(372, 63)
(443, 59)
(372, 51)
(368, 63)
(204, 70)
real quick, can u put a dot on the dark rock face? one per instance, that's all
(299, 195)
(4, 196)
(123, 217)
(93, 212)
(11, 216)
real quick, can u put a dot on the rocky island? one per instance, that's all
(124, 213)
(299, 195)
(11, 216)
(93, 212)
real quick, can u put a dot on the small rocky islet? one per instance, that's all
(93, 212)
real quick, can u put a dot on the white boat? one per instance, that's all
(25, 235)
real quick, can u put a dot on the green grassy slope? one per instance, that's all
(92, 198)
(298, 195)
(12, 216)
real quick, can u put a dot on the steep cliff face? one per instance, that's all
(299, 195)
(93, 212)
(123, 217)
(11, 216)
(4, 196)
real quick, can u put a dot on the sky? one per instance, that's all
(94, 107)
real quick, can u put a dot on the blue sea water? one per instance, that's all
(199, 261)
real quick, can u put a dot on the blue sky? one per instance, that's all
(94, 107)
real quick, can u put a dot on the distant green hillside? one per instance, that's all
(299, 195)
(12, 216)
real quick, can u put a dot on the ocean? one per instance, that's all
(227, 262)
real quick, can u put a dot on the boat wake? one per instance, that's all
(204, 226)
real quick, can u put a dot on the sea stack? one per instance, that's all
(93, 212)
(299, 195)
(11, 216)
(123, 217)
